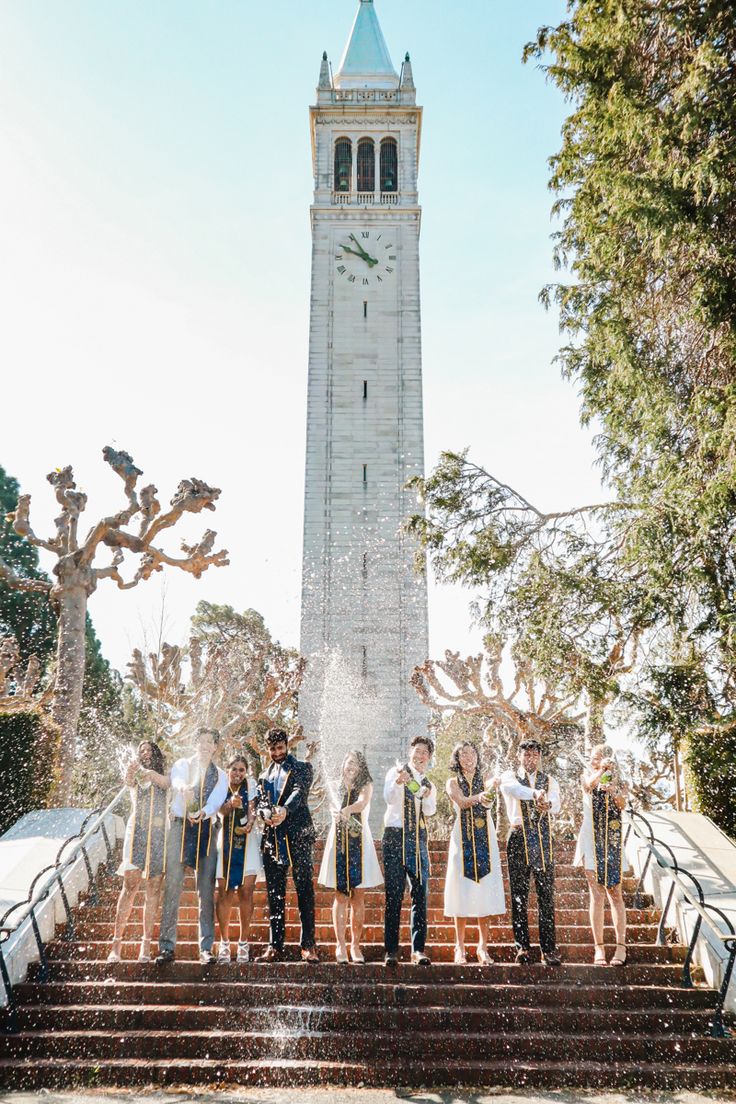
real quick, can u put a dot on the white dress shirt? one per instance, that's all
(393, 794)
(514, 792)
(186, 775)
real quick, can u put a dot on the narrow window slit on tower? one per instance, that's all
(365, 565)
(365, 473)
(365, 308)
(365, 389)
(364, 663)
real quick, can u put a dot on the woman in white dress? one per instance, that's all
(239, 861)
(144, 846)
(600, 849)
(474, 879)
(350, 864)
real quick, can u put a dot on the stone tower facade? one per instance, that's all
(364, 608)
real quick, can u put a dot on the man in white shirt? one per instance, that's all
(531, 796)
(410, 798)
(199, 789)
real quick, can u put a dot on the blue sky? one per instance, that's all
(155, 178)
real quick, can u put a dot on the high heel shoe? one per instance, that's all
(616, 960)
(460, 957)
(144, 955)
(341, 957)
(599, 958)
(115, 955)
(357, 956)
(484, 959)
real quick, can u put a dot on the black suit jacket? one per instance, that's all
(298, 824)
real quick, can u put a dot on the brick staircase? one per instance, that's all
(294, 1024)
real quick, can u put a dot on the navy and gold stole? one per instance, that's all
(234, 841)
(196, 839)
(150, 829)
(607, 837)
(414, 841)
(536, 827)
(278, 841)
(475, 834)
(348, 851)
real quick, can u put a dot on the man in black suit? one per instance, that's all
(288, 839)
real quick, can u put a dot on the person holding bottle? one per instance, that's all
(239, 861)
(474, 879)
(350, 864)
(600, 849)
(410, 798)
(532, 796)
(199, 789)
(144, 847)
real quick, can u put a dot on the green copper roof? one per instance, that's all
(366, 61)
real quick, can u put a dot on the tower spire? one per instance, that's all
(324, 73)
(366, 62)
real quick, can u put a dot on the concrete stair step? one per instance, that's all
(470, 989)
(441, 951)
(310, 1044)
(397, 1072)
(646, 973)
(338, 1018)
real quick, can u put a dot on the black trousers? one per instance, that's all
(519, 874)
(395, 875)
(302, 873)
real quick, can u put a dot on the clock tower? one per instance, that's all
(364, 607)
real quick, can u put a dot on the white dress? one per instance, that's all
(585, 850)
(463, 896)
(372, 875)
(253, 856)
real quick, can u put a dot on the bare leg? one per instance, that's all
(150, 911)
(224, 909)
(131, 885)
(618, 912)
(357, 919)
(597, 905)
(245, 906)
(340, 920)
(460, 923)
(484, 924)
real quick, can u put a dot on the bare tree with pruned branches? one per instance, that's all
(136, 529)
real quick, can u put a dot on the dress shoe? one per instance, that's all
(419, 958)
(522, 958)
(271, 954)
(163, 958)
(391, 960)
(309, 954)
(551, 959)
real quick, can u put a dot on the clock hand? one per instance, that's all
(370, 261)
(366, 256)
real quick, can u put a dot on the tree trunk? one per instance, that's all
(67, 702)
(594, 733)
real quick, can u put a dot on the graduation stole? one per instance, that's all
(536, 826)
(475, 834)
(196, 839)
(279, 840)
(414, 841)
(234, 840)
(150, 828)
(607, 837)
(348, 851)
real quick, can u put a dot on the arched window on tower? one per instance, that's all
(389, 165)
(343, 164)
(366, 165)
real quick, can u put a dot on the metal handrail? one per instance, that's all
(55, 879)
(702, 907)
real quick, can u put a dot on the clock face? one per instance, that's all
(365, 258)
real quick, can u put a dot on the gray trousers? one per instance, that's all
(175, 872)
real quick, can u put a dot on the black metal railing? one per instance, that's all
(704, 909)
(45, 885)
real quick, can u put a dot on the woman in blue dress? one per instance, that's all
(239, 861)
